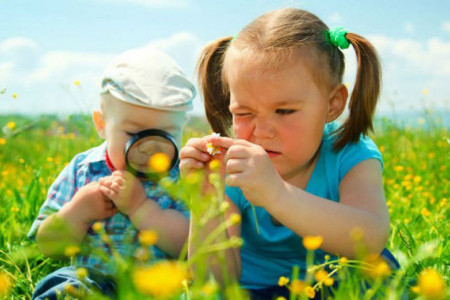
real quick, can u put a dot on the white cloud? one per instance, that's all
(152, 3)
(335, 18)
(431, 57)
(446, 26)
(408, 27)
(46, 85)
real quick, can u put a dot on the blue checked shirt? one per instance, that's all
(87, 167)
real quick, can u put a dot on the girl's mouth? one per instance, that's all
(272, 153)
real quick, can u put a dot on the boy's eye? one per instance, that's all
(284, 111)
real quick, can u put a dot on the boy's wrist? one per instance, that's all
(144, 213)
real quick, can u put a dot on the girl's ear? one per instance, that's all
(337, 102)
(99, 122)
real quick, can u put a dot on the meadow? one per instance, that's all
(33, 150)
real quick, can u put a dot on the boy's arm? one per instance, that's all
(129, 196)
(69, 225)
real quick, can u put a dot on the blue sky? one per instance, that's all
(45, 46)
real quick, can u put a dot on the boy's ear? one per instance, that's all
(99, 122)
(337, 102)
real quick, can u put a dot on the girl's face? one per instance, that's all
(282, 110)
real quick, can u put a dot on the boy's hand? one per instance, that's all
(125, 190)
(249, 167)
(89, 204)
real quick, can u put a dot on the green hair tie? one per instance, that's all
(337, 37)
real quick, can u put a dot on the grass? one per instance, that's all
(416, 177)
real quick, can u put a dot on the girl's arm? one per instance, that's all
(197, 234)
(362, 206)
(194, 156)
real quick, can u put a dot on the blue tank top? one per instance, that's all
(276, 249)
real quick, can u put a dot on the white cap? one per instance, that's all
(150, 78)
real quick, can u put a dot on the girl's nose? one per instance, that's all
(263, 128)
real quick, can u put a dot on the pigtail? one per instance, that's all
(216, 96)
(365, 93)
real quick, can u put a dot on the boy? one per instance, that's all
(141, 89)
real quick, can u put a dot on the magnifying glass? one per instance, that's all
(151, 154)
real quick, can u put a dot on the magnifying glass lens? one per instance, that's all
(151, 154)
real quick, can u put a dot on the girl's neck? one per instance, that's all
(300, 176)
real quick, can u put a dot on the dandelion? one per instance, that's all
(312, 242)
(14, 95)
(148, 237)
(382, 149)
(14, 209)
(430, 285)
(49, 159)
(76, 83)
(2, 141)
(213, 150)
(161, 280)
(425, 92)
(71, 251)
(280, 298)
(159, 162)
(5, 284)
(283, 281)
(21, 160)
(417, 179)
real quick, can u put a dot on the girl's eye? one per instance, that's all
(128, 133)
(284, 111)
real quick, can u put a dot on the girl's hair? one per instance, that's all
(273, 37)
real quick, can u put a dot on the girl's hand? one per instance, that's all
(249, 167)
(124, 190)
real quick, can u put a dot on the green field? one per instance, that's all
(416, 177)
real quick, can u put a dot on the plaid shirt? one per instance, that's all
(87, 167)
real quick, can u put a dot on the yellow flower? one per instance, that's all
(5, 284)
(14, 95)
(215, 164)
(76, 82)
(235, 219)
(379, 267)
(417, 179)
(321, 275)
(159, 162)
(49, 159)
(297, 286)
(328, 281)
(148, 237)
(283, 281)
(97, 226)
(425, 92)
(309, 291)
(11, 125)
(210, 288)
(71, 251)
(280, 298)
(430, 285)
(2, 141)
(14, 209)
(82, 273)
(398, 168)
(425, 212)
(161, 280)
(382, 149)
(21, 160)
(312, 242)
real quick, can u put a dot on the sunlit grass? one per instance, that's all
(416, 177)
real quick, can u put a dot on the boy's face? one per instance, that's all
(119, 120)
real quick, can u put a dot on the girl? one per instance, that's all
(278, 85)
